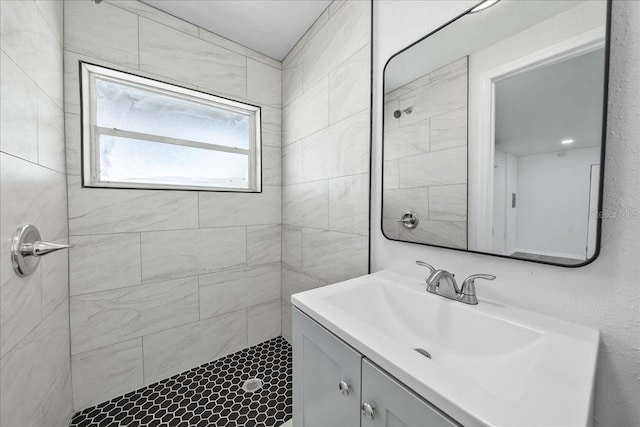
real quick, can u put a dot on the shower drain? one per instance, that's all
(252, 384)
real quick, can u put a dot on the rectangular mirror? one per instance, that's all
(494, 131)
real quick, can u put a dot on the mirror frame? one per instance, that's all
(605, 103)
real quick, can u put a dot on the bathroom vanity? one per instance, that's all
(379, 350)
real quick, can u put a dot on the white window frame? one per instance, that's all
(91, 132)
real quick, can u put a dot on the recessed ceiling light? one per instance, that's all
(567, 141)
(483, 6)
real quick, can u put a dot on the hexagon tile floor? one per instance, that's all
(209, 395)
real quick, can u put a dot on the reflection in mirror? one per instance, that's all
(493, 133)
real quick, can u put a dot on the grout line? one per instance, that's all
(140, 243)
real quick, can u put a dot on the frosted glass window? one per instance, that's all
(141, 133)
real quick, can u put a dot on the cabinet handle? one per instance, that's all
(368, 411)
(344, 388)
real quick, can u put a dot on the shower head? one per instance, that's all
(398, 113)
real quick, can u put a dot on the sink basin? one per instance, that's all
(483, 365)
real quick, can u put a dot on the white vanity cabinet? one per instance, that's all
(334, 386)
(321, 363)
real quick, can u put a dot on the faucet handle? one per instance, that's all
(429, 266)
(469, 287)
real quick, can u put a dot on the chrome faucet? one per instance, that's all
(443, 283)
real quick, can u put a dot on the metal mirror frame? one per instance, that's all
(607, 52)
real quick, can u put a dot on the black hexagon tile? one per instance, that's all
(209, 395)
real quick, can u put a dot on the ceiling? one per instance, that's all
(537, 109)
(271, 27)
(470, 34)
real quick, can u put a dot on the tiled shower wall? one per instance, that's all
(325, 154)
(429, 175)
(162, 281)
(34, 310)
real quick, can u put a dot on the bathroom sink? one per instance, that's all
(483, 365)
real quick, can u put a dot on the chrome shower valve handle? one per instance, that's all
(27, 248)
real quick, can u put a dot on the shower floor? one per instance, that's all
(209, 395)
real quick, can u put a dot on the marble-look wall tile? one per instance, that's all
(238, 48)
(263, 83)
(18, 112)
(345, 34)
(408, 88)
(102, 31)
(219, 209)
(390, 228)
(141, 9)
(108, 317)
(435, 168)
(264, 322)
(342, 149)
(90, 273)
(168, 52)
(181, 253)
(406, 141)
(72, 143)
(450, 234)
(286, 322)
(439, 96)
(292, 79)
(448, 203)
(349, 86)
(449, 130)
(20, 304)
(271, 166)
(175, 350)
(333, 256)
(271, 125)
(264, 244)
(35, 381)
(294, 281)
(456, 67)
(53, 14)
(306, 204)
(117, 368)
(55, 279)
(390, 106)
(349, 204)
(104, 210)
(29, 40)
(31, 194)
(391, 178)
(236, 289)
(396, 202)
(271, 139)
(307, 114)
(51, 151)
(292, 163)
(292, 246)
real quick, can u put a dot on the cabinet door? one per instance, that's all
(393, 404)
(320, 363)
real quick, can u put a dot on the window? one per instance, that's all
(141, 133)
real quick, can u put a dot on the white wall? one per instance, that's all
(553, 202)
(35, 373)
(149, 298)
(605, 294)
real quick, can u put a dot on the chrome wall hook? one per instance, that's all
(26, 249)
